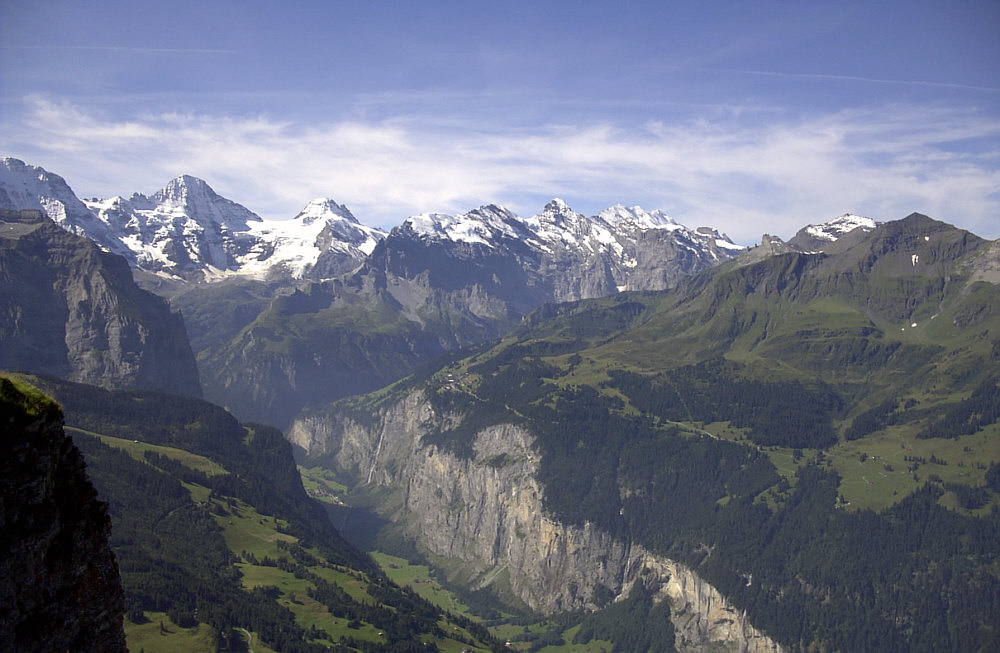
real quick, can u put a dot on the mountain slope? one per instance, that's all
(182, 229)
(217, 538)
(26, 187)
(812, 434)
(817, 237)
(323, 241)
(899, 292)
(577, 257)
(70, 309)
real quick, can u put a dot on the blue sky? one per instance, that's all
(750, 116)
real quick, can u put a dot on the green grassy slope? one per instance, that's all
(218, 543)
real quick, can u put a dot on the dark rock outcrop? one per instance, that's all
(71, 310)
(61, 589)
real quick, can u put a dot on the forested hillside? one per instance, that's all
(783, 545)
(220, 547)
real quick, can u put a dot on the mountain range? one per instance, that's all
(285, 314)
(614, 421)
(186, 230)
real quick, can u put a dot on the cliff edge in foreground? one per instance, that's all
(61, 590)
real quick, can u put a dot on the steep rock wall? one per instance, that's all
(61, 590)
(71, 310)
(485, 516)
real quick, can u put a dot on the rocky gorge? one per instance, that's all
(483, 520)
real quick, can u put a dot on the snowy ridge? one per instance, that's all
(186, 225)
(619, 215)
(621, 248)
(296, 245)
(559, 228)
(338, 221)
(23, 186)
(484, 226)
(837, 227)
(186, 230)
(190, 197)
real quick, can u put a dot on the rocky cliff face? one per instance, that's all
(621, 248)
(71, 310)
(60, 589)
(485, 518)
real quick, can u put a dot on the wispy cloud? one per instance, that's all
(868, 80)
(733, 170)
(115, 48)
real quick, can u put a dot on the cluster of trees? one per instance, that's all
(981, 409)
(779, 413)
(519, 383)
(635, 625)
(171, 554)
(259, 459)
(873, 419)
(587, 319)
(173, 558)
(993, 477)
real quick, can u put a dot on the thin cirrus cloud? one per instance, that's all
(118, 48)
(867, 80)
(742, 171)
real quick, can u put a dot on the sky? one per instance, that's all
(752, 117)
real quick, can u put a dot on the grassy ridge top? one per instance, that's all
(19, 397)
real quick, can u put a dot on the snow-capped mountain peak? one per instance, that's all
(560, 232)
(179, 187)
(193, 198)
(558, 218)
(558, 213)
(557, 206)
(484, 226)
(323, 208)
(24, 186)
(816, 237)
(839, 226)
(322, 236)
(182, 228)
(188, 230)
(340, 229)
(620, 215)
